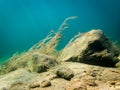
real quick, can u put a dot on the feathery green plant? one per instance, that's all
(50, 42)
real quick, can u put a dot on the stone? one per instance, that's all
(86, 77)
(45, 83)
(16, 80)
(65, 73)
(92, 47)
(34, 85)
(118, 63)
(40, 63)
(76, 85)
(33, 61)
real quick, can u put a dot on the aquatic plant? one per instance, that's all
(50, 42)
(46, 46)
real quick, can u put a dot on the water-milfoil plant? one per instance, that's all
(49, 44)
(46, 46)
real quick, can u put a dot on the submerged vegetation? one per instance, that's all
(50, 42)
(46, 46)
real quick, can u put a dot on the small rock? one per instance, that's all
(34, 85)
(45, 83)
(65, 73)
(118, 64)
(41, 63)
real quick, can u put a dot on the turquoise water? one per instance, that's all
(24, 22)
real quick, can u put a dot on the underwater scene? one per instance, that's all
(59, 45)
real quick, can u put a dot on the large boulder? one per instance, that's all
(92, 47)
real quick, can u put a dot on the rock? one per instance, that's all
(34, 85)
(18, 86)
(118, 64)
(65, 73)
(86, 77)
(110, 74)
(45, 83)
(34, 61)
(16, 80)
(76, 85)
(82, 84)
(40, 62)
(101, 73)
(92, 47)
